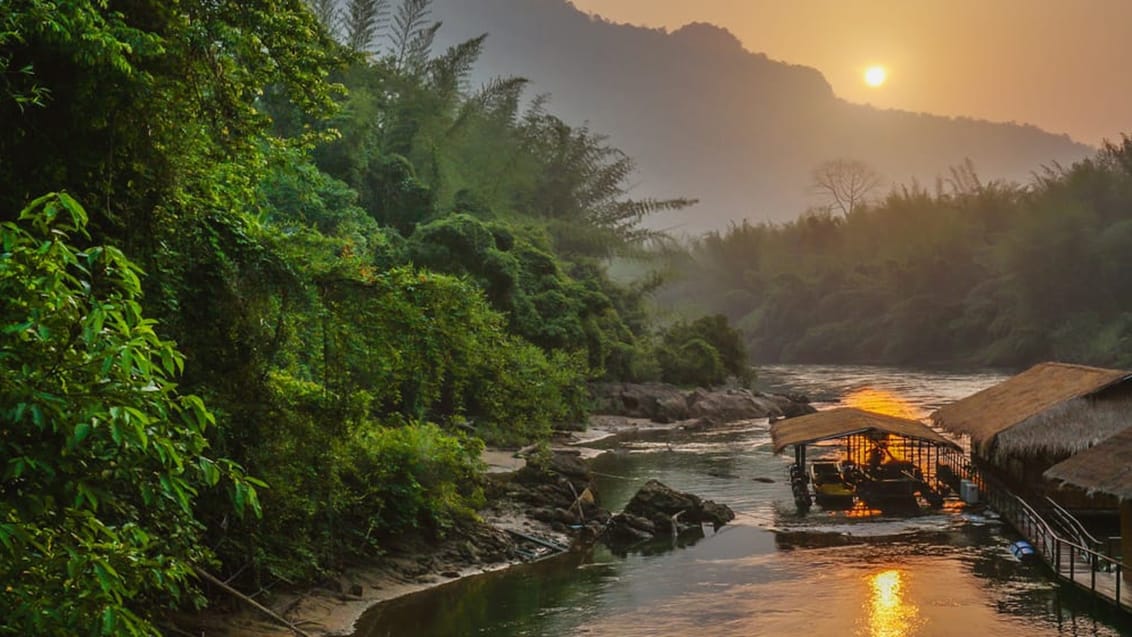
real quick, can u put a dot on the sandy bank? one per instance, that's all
(413, 564)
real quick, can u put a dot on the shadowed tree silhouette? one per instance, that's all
(845, 184)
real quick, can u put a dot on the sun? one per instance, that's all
(875, 76)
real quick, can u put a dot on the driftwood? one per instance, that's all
(586, 496)
(554, 546)
(215, 581)
(610, 475)
(675, 523)
(526, 451)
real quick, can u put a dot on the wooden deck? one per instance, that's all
(1083, 567)
(1102, 582)
(1086, 568)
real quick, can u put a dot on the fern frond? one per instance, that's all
(449, 72)
(416, 59)
(408, 24)
(327, 13)
(361, 22)
(500, 97)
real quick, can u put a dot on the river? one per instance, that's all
(772, 571)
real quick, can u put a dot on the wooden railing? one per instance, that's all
(1086, 567)
(1072, 528)
(953, 466)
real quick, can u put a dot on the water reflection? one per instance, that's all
(889, 614)
(662, 544)
(926, 389)
(882, 401)
(771, 572)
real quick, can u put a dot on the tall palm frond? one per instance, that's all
(497, 100)
(361, 23)
(411, 32)
(327, 13)
(449, 72)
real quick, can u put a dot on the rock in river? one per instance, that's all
(664, 403)
(656, 508)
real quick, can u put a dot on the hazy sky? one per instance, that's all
(1063, 65)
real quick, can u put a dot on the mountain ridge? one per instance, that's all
(706, 117)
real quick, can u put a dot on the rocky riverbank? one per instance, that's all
(661, 403)
(538, 504)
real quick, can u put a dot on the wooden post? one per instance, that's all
(1126, 538)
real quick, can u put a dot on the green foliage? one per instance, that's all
(394, 196)
(164, 100)
(342, 489)
(411, 35)
(529, 392)
(432, 338)
(577, 310)
(368, 349)
(362, 21)
(694, 362)
(581, 189)
(703, 352)
(413, 476)
(339, 270)
(978, 273)
(103, 459)
(462, 146)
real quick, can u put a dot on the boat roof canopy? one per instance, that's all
(847, 421)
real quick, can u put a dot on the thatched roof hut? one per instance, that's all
(1106, 468)
(1049, 408)
(847, 421)
(1104, 471)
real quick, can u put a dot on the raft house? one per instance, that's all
(1050, 451)
(1105, 469)
(886, 461)
(1023, 426)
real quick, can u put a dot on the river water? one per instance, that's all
(772, 571)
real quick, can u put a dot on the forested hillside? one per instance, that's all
(711, 117)
(973, 272)
(271, 277)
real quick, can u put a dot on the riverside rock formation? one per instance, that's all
(664, 403)
(556, 489)
(659, 510)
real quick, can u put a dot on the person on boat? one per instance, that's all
(876, 457)
(850, 472)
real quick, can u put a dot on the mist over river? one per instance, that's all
(771, 571)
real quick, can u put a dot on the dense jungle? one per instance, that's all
(274, 272)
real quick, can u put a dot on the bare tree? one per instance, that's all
(845, 184)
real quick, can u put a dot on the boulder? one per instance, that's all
(560, 466)
(658, 502)
(626, 528)
(789, 405)
(657, 402)
(730, 404)
(663, 403)
(558, 489)
(656, 508)
(569, 463)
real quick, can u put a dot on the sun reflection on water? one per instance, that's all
(890, 615)
(882, 402)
